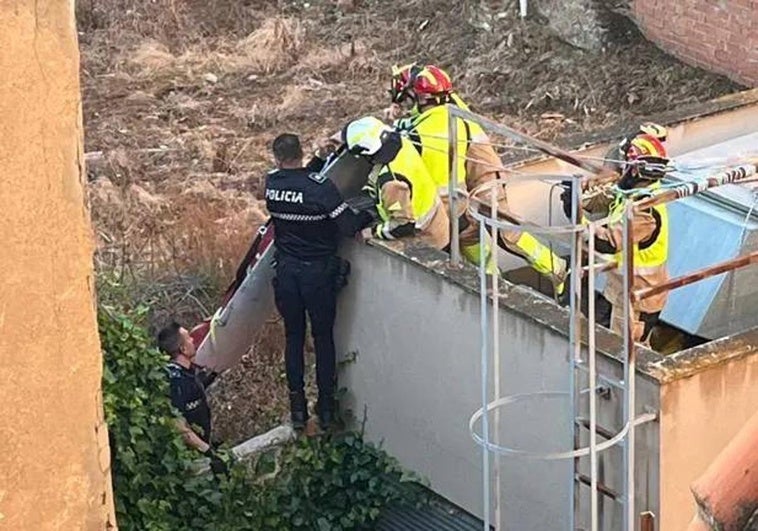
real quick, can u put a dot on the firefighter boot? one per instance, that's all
(298, 410)
(563, 295)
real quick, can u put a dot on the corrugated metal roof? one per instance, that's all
(440, 515)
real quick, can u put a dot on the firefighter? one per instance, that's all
(646, 164)
(401, 93)
(430, 89)
(595, 201)
(309, 217)
(404, 193)
(617, 153)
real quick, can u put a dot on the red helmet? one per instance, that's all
(645, 145)
(431, 82)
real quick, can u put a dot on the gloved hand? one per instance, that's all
(566, 196)
(392, 113)
(364, 235)
(218, 466)
(325, 147)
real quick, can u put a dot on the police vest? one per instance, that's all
(651, 254)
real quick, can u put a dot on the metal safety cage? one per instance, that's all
(492, 218)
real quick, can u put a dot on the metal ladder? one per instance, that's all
(587, 380)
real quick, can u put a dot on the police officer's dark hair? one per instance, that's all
(169, 339)
(287, 148)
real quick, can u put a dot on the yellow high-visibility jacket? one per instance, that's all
(405, 194)
(651, 245)
(429, 132)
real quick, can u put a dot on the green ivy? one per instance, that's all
(336, 483)
(339, 483)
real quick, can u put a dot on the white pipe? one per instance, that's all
(630, 354)
(592, 382)
(496, 351)
(484, 360)
(522, 6)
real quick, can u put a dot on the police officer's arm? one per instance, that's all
(646, 226)
(349, 222)
(395, 203)
(190, 438)
(206, 376)
(316, 164)
(325, 148)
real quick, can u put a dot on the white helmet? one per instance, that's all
(370, 137)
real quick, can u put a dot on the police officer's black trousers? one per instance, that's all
(302, 287)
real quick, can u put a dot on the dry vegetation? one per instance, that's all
(181, 99)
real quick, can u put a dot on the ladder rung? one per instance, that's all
(601, 488)
(610, 381)
(603, 432)
(601, 390)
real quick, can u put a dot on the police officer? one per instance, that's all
(309, 217)
(188, 383)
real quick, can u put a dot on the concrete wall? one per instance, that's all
(700, 413)
(416, 330)
(718, 35)
(54, 463)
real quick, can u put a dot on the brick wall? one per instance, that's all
(719, 35)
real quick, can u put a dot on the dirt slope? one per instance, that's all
(183, 98)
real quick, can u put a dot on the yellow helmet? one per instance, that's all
(370, 137)
(649, 157)
(655, 130)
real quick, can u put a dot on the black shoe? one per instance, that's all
(325, 409)
(564, 297)
(298, 410)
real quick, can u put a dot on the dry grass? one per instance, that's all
(199, 229)
(271, 48)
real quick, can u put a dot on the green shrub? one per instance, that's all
(345, 482)
(334, 483)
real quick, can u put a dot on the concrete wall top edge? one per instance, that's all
(542, 310)
(698, 359)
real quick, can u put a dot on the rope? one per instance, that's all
(673, 166)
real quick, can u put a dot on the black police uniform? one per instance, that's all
(188, 396)
(309, 216)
